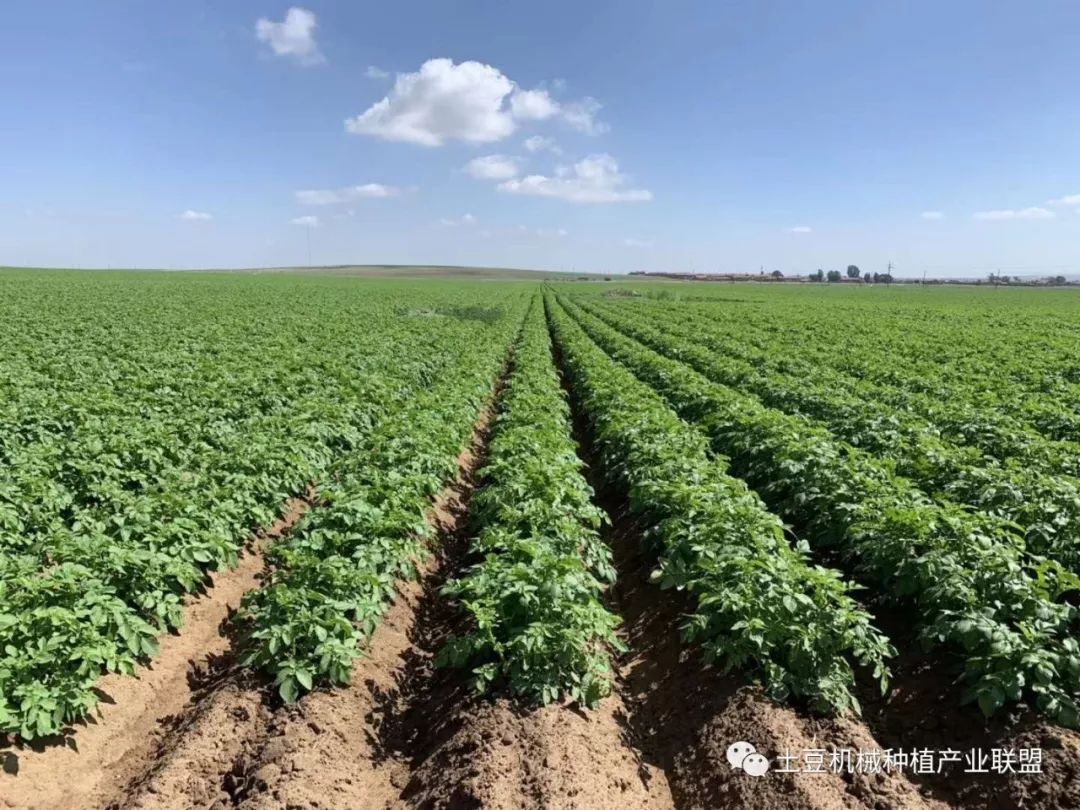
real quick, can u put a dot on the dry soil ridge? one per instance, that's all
(91, 766)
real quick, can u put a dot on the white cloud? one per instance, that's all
(195, 216)
(637, 243)
(442, 101)
(595, 179)
(1011, 213)
(309, 221)
(470, 102)
(375, 72)
(492, 167)
(347, 194)
(552, 233)
(292, 37)
(801, 229)
(581, 115)
(538, 143)
(932, 215)
(532, 105)
(1068, 199)
(466, 219)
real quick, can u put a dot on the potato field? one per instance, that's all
(313, 541)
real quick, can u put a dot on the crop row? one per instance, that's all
(760, 603)
(965, 574)
(972, 344)
(535, 596)
(92, 597)
(338, 571)
(1009, 400)
(1046, 507)
(181, 439)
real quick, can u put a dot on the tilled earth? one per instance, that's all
(196, 731)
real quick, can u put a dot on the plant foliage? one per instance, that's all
(535, 597)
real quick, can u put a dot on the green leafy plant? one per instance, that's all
(760, 604)
(149, 424)
(967, 575)
(539, 624)
(1045, 505)
(336, 574)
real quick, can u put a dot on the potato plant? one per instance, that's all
(337, 573)
(1046, 507)
(966, 575)
(149, 424)
(1002, 382)
(539, 626)
(760, 603)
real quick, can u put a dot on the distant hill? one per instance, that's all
(372, 271)
(432, 271)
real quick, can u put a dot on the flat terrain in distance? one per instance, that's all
(456, 537)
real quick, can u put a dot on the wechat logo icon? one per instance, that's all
(743, 756)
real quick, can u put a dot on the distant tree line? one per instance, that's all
(853, 273)
(1000, 278)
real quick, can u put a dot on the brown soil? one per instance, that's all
(407, 734)
(324, 750)
(404, 734)
(686, 714)
(318, 753)
(195, 730)
(90, 766)
(495, 755)
(689, 721)
(457, 750)
(195, 759)
(924, 710)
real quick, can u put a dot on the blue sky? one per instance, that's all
(688, 136)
